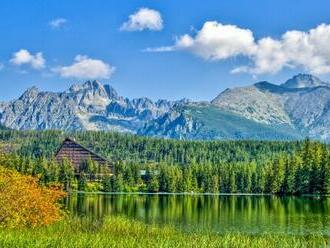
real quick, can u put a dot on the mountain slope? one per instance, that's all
(302, 102)
(297, 108)
(206, 122)
(304, 81)
(254, 104)
(90, 106)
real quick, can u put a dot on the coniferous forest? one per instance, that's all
(158, 165)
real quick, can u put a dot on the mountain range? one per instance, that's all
(297, 108)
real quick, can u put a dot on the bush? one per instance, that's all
(93, 187)
(82, 182)
(24, 203)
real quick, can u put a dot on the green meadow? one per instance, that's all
(121, 232)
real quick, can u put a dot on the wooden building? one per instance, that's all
(77, 154)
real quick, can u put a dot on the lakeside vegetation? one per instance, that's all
(31, 210)
(301, 167)
(121, 232)
(23, 203)
(29, 173)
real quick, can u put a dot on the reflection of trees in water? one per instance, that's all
(238, 213)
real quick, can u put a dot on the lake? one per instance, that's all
(215, 213)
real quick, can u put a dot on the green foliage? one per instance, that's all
(136, 149)
(120, 232)
(177, 166)
(118, 183)
(66, 173)
(107, 184)
(82, 182)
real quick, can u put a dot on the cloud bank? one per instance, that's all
(86, 68)
(143, 19)
(23, 56)
(215, 41)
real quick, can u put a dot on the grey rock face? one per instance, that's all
(296, 108)
(301, 102)
(174, 124)
(90, 106)
(304, 81)
(254, 104)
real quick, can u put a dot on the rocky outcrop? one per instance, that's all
(297, 108)
(302, 102)
(90, 106)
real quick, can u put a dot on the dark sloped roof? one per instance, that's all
(77, 153)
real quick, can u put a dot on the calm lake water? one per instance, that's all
(216, 213)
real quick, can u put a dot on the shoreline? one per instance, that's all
(194, 194)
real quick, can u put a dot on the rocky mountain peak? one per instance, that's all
(94, 88)
(112, 93)
(93, 85)
(297, 108)
(30, 94)
(304, 81)
(87, 106)
(88, 85)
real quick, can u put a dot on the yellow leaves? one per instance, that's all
(24, 203)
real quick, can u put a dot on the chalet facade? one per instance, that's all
(77, 154)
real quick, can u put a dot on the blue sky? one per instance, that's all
(47, 43)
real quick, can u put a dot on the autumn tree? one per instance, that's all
(24, 203)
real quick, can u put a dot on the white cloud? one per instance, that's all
(86, 68)
(23, 56)
(309, 50)
(216, 41)
(143, 19)
(57, 23)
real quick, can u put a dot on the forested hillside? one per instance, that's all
(176, 166)
(127, 147)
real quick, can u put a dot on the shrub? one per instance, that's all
(24, 203)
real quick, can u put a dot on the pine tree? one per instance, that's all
(82, 182)
(107, 183)
(153, 184)
(118, 184)
(66, 173)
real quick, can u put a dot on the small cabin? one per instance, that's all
(77, 154)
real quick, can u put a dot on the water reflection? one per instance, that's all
(252, 214)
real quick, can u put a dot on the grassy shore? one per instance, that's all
(120, 232)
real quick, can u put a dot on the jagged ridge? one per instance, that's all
(295, 109)
(302, 102)
(90, 106)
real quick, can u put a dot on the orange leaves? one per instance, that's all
(24, 203)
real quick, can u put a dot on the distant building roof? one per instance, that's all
(78, 154)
